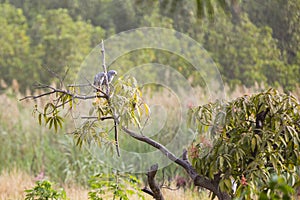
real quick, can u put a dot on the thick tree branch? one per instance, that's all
(147, 191)
(156, 192)
(199, 180)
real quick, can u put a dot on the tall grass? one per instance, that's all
(14, 182)
(34, 149)
(28, 149)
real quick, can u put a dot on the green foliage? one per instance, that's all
(57, 35)
(63, 42)
(238, 142)
(245, 53)
(26, 146)
(128, 103)
(125, 103)
(50, 112)
(15, 52)
(277, 188)
(283, 17)
(43, 191)
(115, 184)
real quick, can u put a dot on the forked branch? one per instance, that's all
(198, 180)
(156, 192)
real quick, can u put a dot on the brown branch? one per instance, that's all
(78, 85)
(156, 192)
(146, 190)
(97, 88)
(101, 118)
(38, 96)
(54, 90)
(116, 137)
(198, 180)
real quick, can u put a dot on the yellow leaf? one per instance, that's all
(147, 109)
(140, 93)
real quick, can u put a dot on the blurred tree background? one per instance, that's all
(255, 44)
(252, 42)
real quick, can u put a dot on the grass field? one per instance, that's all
(28, 149)
(13, 184)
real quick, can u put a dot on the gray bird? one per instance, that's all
(99, 79)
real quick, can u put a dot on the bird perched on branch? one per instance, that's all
(99, 79)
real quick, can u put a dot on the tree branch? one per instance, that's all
(101, 118)
(54, 90)
(104, 67)
(198, 180)
(156, 192)
(116, 136)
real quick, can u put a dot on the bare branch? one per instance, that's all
(104, 67)
(101, 118)
(54, 90)
(198, 180)
(152, 184)
(37, 96)
(146, 190)
(116, 136)
(156, 145)
(63, 103)
(52, 72)
(65, 75)
(97, 88)
(78, 85)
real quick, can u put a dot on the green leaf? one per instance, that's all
(55, 124)
(51, 122)
(253, 144)
(228, 184)
(221, 162)
(40, 118)
(147, 109)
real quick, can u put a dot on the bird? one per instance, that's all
(99, 79)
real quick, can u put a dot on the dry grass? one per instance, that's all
(14, 182)
(76, 192)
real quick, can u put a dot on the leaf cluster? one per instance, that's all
(50, 113)
(236, 142)
(43, 190)
(121, 186)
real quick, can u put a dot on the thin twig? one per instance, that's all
(169, 188)
(37, 96)
(65, 75)
(116, 137)
(108, 96)
(78, 85)
(54, 90)
(93, 117)
(104, 67)
(96, 88)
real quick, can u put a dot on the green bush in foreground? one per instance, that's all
(43, 191)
